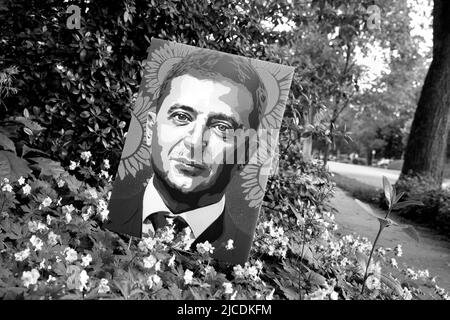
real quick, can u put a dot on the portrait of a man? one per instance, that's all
(205, 102)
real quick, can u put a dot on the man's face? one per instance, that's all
(189, 138)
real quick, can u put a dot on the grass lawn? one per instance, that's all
(357, 189)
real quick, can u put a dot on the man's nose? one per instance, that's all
(196, 138)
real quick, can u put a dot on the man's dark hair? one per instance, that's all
(204, 64)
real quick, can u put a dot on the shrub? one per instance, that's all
(436, 209)
(52, 246)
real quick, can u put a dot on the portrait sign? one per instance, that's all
(201, 144)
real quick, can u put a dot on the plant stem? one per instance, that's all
(370, 258)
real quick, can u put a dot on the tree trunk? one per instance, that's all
(327, 144)
(427, 143)
(307, 142)
(307, 148)
(369, 156)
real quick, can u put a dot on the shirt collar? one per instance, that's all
(198, 219)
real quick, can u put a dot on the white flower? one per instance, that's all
(83, 280)
(412, 273)
(233, 296)
(35, 226)
(104, 214)
(375, 269)
(187, 239)
(398, 250)
(205, 247)
(42, 264)
(71, 255)
(106, 163)
(49, 219)
(149, 261)
(86, 155)
(156, 279)
(188, 276)
(30, 277)
(47, 201)
(334, 295)
(51, 278)
(68, 217)
(252, 272)
(394, 263)
(73, 165)
(103, 286)
(270, 295)
(36, 242)
(21, 181)
(86, 260)
(68, 208)
(238, 271)
(150, 282)
(7, 188)
(171, 261)
(22, 255)
(52, 238)
(406, 294)
(423, 273)
(229, 245)
(147, 244)
(228, 287)
(61, 183)
(373, 283)
(32, 226)
(158, 266)
(26, 189)
(104, 173)
(85, 216)
(92, 193)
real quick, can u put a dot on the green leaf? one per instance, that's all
(33, 126)
(362, 260)
(73, 183)
(26, 149)
(316, 279)
(12, 167)
(387, 187)
(391, 283)
(48, 167)
(407, 203)
(397, 198)
(7, 143)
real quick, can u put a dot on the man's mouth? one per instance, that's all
(190, 167)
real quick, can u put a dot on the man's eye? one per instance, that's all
(181, 117)
(223, 130)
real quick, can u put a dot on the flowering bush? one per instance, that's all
(52, 246)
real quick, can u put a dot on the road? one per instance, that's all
(368, 175)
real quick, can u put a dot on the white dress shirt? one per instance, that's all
(198, 219)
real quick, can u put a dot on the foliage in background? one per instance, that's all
(436, 209)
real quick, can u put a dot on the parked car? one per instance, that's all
(383, 163)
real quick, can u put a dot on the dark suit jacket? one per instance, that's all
(125, 216)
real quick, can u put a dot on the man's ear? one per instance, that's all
(151, 120)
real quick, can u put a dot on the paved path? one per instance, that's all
(370, 175)
(432, 252)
